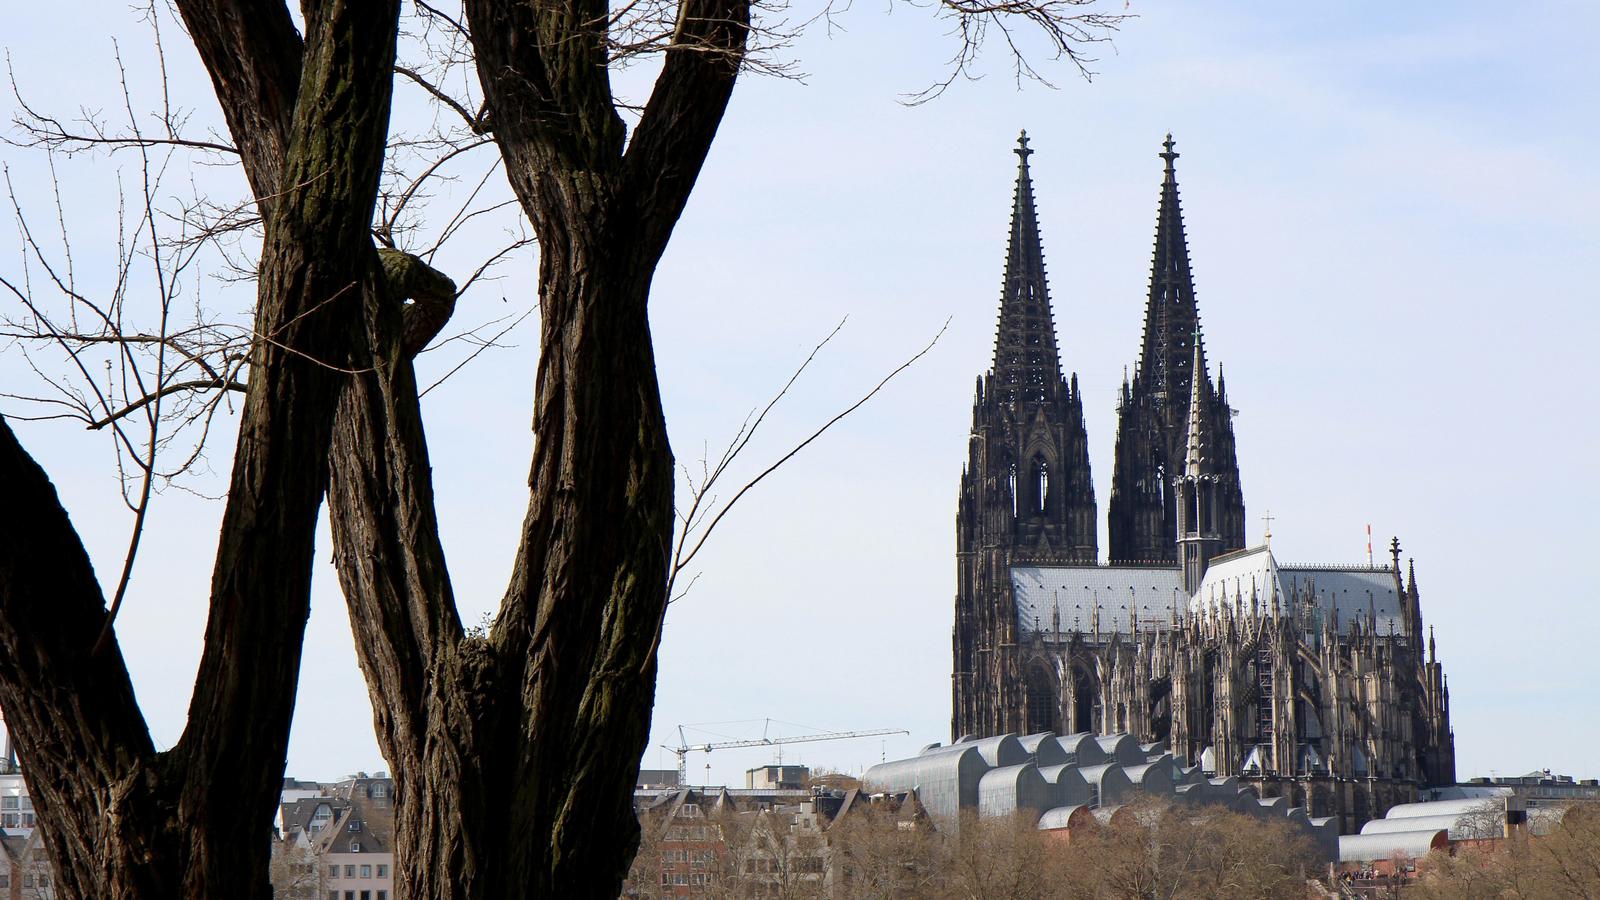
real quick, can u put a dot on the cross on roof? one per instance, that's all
(1169, 155)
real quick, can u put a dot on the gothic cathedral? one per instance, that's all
(1310, 682)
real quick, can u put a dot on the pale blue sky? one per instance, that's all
(1390, 209)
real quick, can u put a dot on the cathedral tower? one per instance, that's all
(1026, 495)
(1154, 414)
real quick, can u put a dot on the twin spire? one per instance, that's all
(1026, 363)
(1026, 360)
(1171, 418)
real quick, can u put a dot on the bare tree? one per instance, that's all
(514, 750)
(120, 818)
(1563, 864)
(295, 872)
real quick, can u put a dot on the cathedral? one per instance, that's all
(1311, 682)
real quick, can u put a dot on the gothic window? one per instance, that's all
(1041, 485)
(1012, 486)
(1085, 701)
(1041, 700)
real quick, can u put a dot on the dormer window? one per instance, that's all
(355, 824)
(355, 847)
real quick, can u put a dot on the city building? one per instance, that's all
(1316, 683)
(1535, 789)
(777, 776)
(335, 841)
(25, 870)
(16, 807)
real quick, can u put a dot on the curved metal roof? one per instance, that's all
(1070, 787)
(1003, 791)
(945, 782)
(1151, 777)
(1084, 748)
(1370, 847)
(1112, 783)
(1122, 748)
(1000, 750)
(1461, 826)
(1045, 749)
(1442, 808)
(1060, 817)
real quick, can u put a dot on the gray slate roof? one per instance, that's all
(1081, 595)
(1077, 591)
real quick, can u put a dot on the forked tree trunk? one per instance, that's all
(120, 820)
(515, 752)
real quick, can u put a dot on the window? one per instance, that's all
(383, 895)
(349, 871)
(366, 895)
(333, 871)
(366, 871)
(349, 895)
(1041, 485)
(355, 847)
(27, 880)
(333, 895)
(383, 872)
(8, 802)
(5, 879)
(355, 824)
(378, 790)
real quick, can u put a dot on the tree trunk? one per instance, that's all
(484, 808)
(119, 819)
(515, 752)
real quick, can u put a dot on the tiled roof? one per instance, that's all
(1076, 592)
(1081, 595)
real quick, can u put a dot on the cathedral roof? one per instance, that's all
(1079, 594)
(1355, 593)
(1076, 596)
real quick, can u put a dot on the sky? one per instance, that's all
(1391, 214)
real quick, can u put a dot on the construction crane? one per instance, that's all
(683, 748)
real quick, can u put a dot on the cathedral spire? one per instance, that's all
(1171, 318)
(1169, 389)
(1026, 363)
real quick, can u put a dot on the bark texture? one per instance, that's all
(121, 820)
(515, 752)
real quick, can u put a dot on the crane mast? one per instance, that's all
(683, 748)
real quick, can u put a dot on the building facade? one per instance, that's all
(1317, 683)
(335, 841)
